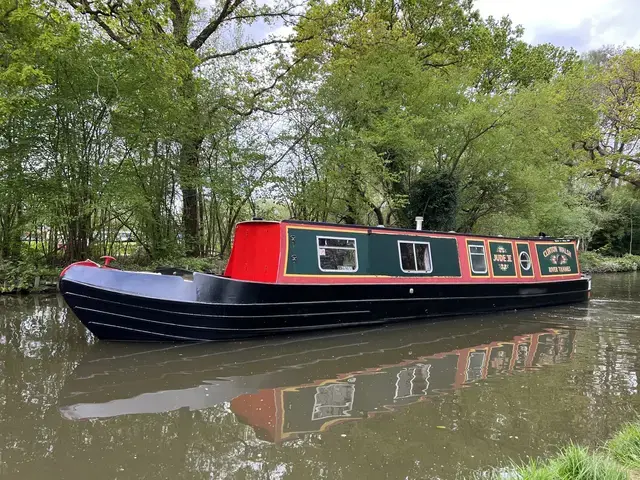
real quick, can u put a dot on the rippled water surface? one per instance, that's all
(420, 400)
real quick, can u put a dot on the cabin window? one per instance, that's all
(333, 400)
(415, 257)
(525, 261)
(337, 254)
(478, 259)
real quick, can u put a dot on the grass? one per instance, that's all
(618, 459)
(625, 446)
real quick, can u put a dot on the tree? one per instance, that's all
(29, 35)
(435, 198)
(610, 143)
(167, 32)
(411, 88)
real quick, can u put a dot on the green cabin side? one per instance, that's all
(557, 259)
(356, 252)
(369, 252)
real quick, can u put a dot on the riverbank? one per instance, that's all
(30, 277)
(27, 277)
(592, 262)
(618, 459)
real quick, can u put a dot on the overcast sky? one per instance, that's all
(581, 24)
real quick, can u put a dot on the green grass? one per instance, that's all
(572, 463)
(575, 462)
(625, 446)
(618, 459)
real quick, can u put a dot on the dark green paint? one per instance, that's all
(502, 259)
(523, 272)
(385, 255)
(303, 251)
(378, 254)
(564, 256)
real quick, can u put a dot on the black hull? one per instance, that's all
(137, 307)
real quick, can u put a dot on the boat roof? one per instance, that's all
(406, 230)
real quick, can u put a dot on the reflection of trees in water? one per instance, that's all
(42, 344)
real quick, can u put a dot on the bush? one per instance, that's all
(593, 262)
(23, 275)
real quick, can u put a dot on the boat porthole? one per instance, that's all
(411, 291)
(525, 261)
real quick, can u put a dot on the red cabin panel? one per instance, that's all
(262, 411)
(255, 253)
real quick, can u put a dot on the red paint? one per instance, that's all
(107, 260)
(84, 263)
(260, 410)
(256, 252)
(259, 255)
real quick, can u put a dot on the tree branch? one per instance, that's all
(11, 8)
(615, 174)
(254, 46)
(84, 7)
(255, 16)
(473, 138)
(227, 9)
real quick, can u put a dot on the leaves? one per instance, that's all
(173, 122)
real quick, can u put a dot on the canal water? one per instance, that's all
(421, 400)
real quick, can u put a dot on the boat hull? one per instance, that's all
(130, 306)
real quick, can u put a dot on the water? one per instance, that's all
(421, 400)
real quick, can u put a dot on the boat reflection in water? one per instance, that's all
(301, 385)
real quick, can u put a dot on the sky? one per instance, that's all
(581, 24)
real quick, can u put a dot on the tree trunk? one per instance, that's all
(77, 247)
(189, 185)
(190, 173)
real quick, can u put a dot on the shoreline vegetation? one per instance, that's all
(31, 277)
(593, 262)
(617, 459)
(135, 133)
(25, 277)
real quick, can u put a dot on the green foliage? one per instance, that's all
(576, 462)
(26, 276)
(435, 198)
(608, 87)
(594, 262)
(203, 264)
(396, 105)
(165, 121)
(571, 463)
(625, 446)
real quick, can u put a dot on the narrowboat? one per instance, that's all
(293, 276)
